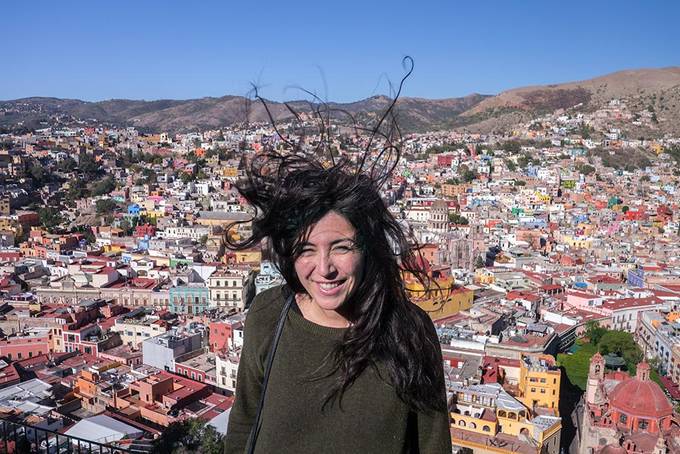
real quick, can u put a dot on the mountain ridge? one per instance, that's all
(655, 88)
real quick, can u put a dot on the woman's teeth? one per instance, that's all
(329, 285)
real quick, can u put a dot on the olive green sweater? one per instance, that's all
(372, 418)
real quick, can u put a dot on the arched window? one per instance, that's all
(502, 414)
(472, 425)
(486, 429)
(623, 419)
(643, 424)
(461, 423)
(512, 415)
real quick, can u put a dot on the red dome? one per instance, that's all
(611, 449)
(642, 398)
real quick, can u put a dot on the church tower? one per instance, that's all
(660, 447)
(595, 377)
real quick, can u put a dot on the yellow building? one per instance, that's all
(539, 382)
(579, 242)
(487, 419)
(454, 190)
(230, 172)
(444, 298)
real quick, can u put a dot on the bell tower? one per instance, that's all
(595, 377)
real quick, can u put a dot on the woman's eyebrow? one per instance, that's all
(342, 240)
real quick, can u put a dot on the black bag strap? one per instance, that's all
(252, 439)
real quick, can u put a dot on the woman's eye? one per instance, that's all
(342, 249)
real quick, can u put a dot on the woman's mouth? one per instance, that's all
(330, 288)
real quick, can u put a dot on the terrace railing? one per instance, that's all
(19, 438)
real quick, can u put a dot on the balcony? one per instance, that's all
(20, 437)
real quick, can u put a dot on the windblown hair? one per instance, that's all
(293, 191)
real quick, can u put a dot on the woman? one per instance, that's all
(357, 368)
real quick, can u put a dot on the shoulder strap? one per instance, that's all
(252, 439)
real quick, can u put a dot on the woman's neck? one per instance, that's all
(315, 314)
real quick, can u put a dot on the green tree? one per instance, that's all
(67, 165)
(512, 146)
(625, 209)
(594, 331)
(586, 169)
(510, 165)
(466, 174)
(190, 435)
(105, 206)
(621, 343)
(50, 217)
(456, 218)
(37, 173)
(88, 164)
(104, 186)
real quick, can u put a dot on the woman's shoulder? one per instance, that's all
(265, 310)
(424, 318)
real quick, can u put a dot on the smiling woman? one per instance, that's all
(338, 360)
(328, 267)
(357, 367)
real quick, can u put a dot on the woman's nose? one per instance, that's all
(325, 265)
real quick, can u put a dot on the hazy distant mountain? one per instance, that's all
(640, 89)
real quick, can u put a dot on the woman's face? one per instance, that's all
(330, 263)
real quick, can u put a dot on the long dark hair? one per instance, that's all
(291, 192)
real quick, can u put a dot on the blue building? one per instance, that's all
(189, 295)
(636, 277)
(133, 209)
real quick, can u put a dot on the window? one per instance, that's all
(19, 355)
(623, 419)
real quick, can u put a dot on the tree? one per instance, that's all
(479, 262)
(622, 344)
(190, 435)
(88, 164)
(37, 173)
(456, 218)
(586, 169)
(105, 206)
(594, 331)
(625, 209)
(50, 217)
(510, 165)
(466, 174)
(67, 165)
(104, 186)
(512, 146)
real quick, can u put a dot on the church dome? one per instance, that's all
(641, 398)
(611, 449)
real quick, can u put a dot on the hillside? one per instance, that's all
(655, 89)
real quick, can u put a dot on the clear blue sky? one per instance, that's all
(145, 49)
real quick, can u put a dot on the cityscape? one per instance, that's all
(123, 312)
(536, 167)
